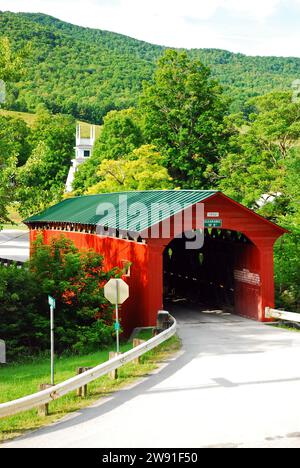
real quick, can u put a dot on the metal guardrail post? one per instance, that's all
(136, 342)
(114, 373)
(82, 391)
(43, 410)
(163, 320)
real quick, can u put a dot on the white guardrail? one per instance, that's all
(282, 315)
(59, 390)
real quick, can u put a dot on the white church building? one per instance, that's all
(83, 150)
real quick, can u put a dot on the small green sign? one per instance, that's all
(117, 326)
(51, 302)
(213, 223)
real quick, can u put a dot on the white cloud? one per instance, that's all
(141, 8)
(200, 9)
(259, 9)
(172, 8)
(193, 8)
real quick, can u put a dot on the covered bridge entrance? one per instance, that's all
(200, 245)
(207, 276)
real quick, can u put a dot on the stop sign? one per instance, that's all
(116, 291)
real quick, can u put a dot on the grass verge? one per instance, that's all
(16, 219)
(294, 327)
(15, 227)
(30, 120)
(23, 379)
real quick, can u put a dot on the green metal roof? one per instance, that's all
(83, 210)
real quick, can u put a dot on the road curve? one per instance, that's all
(14, 245)
(235, 383)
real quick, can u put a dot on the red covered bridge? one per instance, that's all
(233, 269)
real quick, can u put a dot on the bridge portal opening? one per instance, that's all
(212, 277)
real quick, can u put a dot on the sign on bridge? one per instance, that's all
(213, 223)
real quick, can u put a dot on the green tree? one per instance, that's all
(14, 150)
(35, 191)
(184, 112)
(87, 73)
(19, 315)
(287, 250)
(265, 161)
(259, 154)
(10, 63)
(15, 138)
(41, 181)
(57, 132)
(140, 170)
(10, 67)
(75, 279)
(7, 172)
(84, 319)
(119, 136)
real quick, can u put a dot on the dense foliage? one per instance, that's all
(76, 70)
(10, 136)
(180, 134)
(254, 158)
(184, 112)
(140, 170)
(87, 73)
(83, 318)
(10, 62)
(119, 136)
(41, 180)
(262, 171)
(34, 161)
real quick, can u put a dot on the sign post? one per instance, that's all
(52, 305)
(116, 291)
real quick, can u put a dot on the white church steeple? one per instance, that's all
(83, 150)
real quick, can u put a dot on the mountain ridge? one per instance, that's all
(40, 15)
(87, 72)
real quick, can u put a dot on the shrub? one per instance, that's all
(83, 317)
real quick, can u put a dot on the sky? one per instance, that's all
(253, 27)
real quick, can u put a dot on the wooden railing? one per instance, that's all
(282, 315)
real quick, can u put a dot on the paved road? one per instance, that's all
(235, 383)
(14, 245)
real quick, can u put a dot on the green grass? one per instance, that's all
(285, 326)
(30, 119)
(15, 227)
(16, 219)
(26, 116)
(145, 334)
(19, 380)
(85, 129)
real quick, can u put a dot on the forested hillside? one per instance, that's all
(175, 130)
(86, 72)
